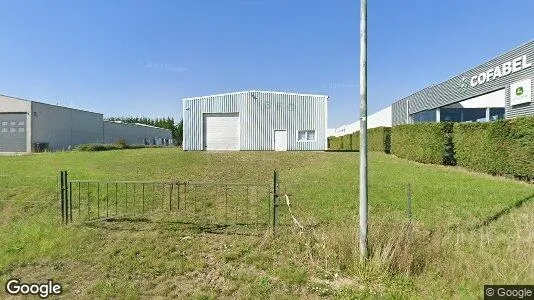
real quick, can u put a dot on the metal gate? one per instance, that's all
(202, 203)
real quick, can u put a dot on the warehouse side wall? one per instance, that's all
(134, 134)
(62, 127)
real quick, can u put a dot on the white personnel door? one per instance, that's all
(280, 140)
(221, 131)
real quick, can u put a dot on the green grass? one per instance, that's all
(453, 249)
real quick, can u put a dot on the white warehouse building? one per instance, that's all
(255, 120)
(30, 126)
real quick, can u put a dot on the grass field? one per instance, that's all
(467, 230)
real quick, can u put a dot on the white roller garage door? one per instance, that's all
(221, 131)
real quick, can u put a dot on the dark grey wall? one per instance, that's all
(62, 127)
(451, 91)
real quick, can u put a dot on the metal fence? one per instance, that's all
(214, 203)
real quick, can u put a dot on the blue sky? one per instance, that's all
(130, 57)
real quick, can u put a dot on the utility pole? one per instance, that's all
(363, 130)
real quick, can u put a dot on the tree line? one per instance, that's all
(177, 129)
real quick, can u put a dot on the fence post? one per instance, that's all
(66, 201)
(275, 200)
(65, 178)
(70, 202)
(62, 202)
(170, 195)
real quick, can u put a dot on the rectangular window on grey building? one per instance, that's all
(306, 135)
(474, 114)
(496, 113)
(451, 114)
(424, 116)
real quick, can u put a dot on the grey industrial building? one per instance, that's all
(497, 89)
(27, 125)
(255, 120)
(136, 134)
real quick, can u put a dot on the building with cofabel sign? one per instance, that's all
(498, 89)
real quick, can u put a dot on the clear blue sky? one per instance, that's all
(127, 57)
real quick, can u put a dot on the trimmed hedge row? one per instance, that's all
(429, 143)
(504, 147)
(108, 147)
(378, 139)
(335, 143)
(498, 148)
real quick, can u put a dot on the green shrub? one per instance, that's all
(335, 143)
(355, 141)
(95, 147)
(107, 147)
(121, 143)
(521, 148)
(347, 142)
(379, 139)
(471, 141)
(425, 142)
(504, 147)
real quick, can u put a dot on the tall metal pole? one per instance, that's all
(363, 130)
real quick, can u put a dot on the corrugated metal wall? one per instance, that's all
(133, 134)
(62, 127)
(260, 114)
(451, 91)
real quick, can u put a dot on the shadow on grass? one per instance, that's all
(503, 212)
(342, 151)
(146, 224)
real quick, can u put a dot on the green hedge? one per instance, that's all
(355, 145)
(425, 142)
(378, 139)
(335, 142)
(504, 147)
(107, 147)
(347, 142)
(498, 148)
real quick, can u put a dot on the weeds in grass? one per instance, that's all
(165, 258)
(395, 248)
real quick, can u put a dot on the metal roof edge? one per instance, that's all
(479, 65)
(61, 106)
(138, 124)
(256, 91)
